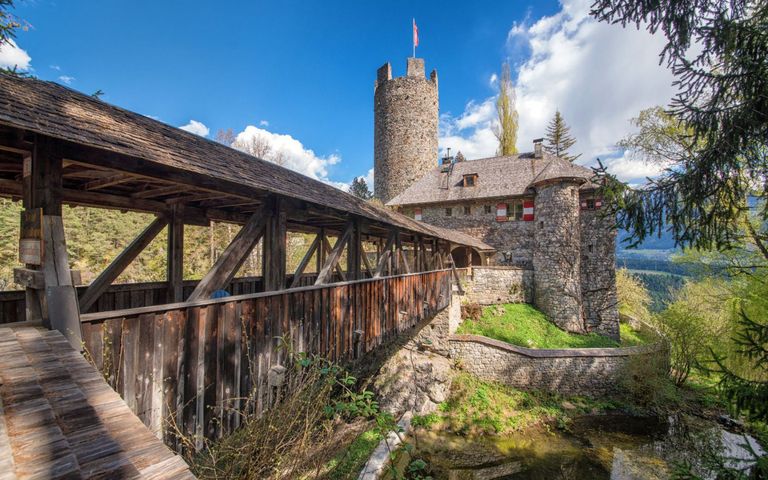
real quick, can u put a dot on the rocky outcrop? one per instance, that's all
(418, 376)
(414, 380)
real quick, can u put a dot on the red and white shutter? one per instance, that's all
(598, 202)
(583, 204)
(501, 212)
(528, 211)
(417, 214)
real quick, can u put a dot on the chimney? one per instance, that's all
(538, 148)
(447, 159)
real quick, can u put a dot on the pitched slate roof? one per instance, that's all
(56, 111)
(497, 177)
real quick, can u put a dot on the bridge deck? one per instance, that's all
(60, 419)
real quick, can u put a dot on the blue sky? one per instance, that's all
(303, 72)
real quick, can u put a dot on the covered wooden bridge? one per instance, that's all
(176, 353)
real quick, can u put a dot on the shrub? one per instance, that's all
(645, 383)
(471, 311)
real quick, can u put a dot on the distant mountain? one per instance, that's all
(665, 242)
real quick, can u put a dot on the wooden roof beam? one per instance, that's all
(108, 181)
(159, 192)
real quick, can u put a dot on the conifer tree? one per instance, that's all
(506, 129)
(559, 139)
(359, 188)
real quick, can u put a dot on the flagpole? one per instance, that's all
(412, 37)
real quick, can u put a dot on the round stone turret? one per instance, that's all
(405, 128)
(557, 253)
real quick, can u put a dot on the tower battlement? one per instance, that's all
(405, 127)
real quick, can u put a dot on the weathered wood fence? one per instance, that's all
(134, 295)
(197, 363)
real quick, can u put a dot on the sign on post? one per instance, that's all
(31, 238)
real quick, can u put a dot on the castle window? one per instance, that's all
(448, 212)
(514, 210)
(487, 209)
(470, 180)
(467, 210)
(589, 248)
(591, 204)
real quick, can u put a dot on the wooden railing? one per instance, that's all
(197, 363)
(133, 295)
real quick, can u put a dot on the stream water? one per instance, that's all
(597, 447)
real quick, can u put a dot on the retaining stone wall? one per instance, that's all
(496, 285)
(592, 372)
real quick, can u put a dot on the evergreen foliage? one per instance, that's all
(506, 129)
(722, 85)
(559, 139)
(359, 188)
(8, 22)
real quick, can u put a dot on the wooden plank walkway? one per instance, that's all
(60, 419)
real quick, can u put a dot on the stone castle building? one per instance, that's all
(540, 212)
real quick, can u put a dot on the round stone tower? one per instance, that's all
(557, 252)
(405, 128)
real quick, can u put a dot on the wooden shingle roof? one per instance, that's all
(497, 177)
(59, 112)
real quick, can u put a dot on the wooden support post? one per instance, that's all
(401, 254)
(231, 259)
(333, 258)
(386, 252)
(321, 252)
(305, 261)
(455, 273)
(366, 262)
(57, 304)
(118, 265)
(274, 259)
(175, 252)
(353, 251)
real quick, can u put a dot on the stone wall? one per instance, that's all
(598, 273)
(405, 128)
(495, 285)
(513, 238)
(593, 371)
(557, 255)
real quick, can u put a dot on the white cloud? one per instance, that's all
(264, 123)
(598, 76)
(369, 179)
(293, 154)
(55, 67)
(12, 56)
(493, 80)
(66, 79)
(198, 128)
(632, 169)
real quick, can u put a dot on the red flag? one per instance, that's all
(415, 34)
